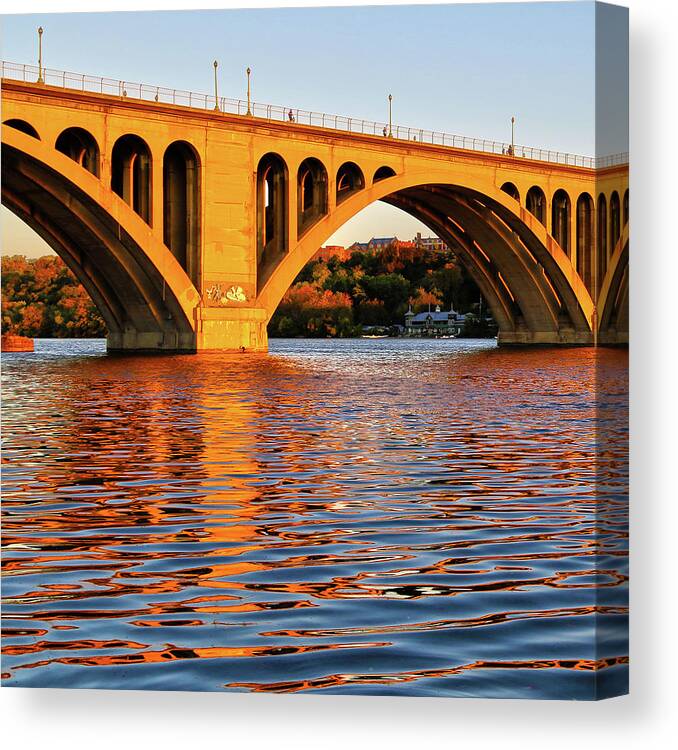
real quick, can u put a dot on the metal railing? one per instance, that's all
(160, 94)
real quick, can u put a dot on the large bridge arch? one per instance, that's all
(528, 280)
(143, 294)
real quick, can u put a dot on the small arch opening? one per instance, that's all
(23, 126)
(271, 208)
(510, 189)
(601, 237)
(181, 206)
(535, 202)
(560, 220)
(626, 207)
(615, 220)
(81, 146)
(383, 173)
(349, 180)
(131, 174)
(585, 239)
(311, 193)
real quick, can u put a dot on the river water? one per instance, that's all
(414, 517)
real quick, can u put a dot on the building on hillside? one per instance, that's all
(333, 251)
(436, 323)
(429, 243)
(405, 244)
(358, 247)
(379, 243)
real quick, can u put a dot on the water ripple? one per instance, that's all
(390, 516)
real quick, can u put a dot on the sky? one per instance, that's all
(463, 69)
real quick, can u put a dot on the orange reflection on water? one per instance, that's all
(172, 653)
(343, 680)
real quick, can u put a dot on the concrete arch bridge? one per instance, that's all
(187, 224)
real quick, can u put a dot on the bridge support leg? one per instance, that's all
(231, 329)
(564, 337)
(130, 341)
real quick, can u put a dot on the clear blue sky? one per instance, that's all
(460, 68)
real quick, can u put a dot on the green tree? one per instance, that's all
(392, 289)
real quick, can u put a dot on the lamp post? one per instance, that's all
(40, 78)
(513, 147)
(216, 92)
(390, 118)
(249, 98)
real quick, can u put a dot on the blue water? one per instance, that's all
(388, 516)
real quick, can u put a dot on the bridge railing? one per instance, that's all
(146, 92)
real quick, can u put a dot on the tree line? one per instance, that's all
(329, 298)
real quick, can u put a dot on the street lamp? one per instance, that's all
(40, 78)
(249, 98)
(390, 118)
(216, 92)
(513, 147)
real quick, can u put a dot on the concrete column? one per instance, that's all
(572, 239)
(157, 207)
(105, 170)
(608, 231)
(128, 181)
(597, 281)
(574, 243)
(331, 187)
(292, 212)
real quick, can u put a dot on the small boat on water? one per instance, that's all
(372, 336)
(10, 342)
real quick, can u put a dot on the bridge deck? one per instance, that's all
(160, 98)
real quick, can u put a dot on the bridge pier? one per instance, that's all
(231, 329)
(216, 329)
(566, 337)
(130, 341)
(613, 338)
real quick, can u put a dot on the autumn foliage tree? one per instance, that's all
(332, 298)
(336, 298)
(41, 298)
(314, 312)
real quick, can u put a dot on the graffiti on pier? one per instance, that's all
(220, 295)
